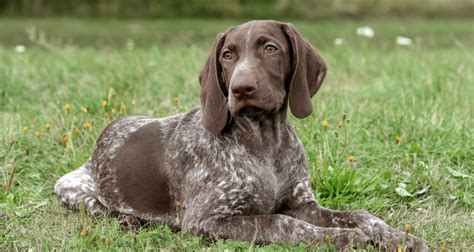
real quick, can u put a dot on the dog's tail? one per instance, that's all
(78, 189)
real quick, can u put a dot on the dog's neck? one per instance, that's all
(261, 133)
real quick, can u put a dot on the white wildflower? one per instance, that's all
(338, 41)
(365, 31)
(20, 48)
(404, 41)
(130, 45)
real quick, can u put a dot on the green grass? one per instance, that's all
(423, 94)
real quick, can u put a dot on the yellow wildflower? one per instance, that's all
(85, 109)
(47, 126)
(407, 227)
(343, 119)
(328, 238)
(65, 139)
(77, 131)
(26, 129)
(397, 139)
(351, 158)
(176, 99)
(105, 103)
(443, 246)
(84, 232)
(399, 249)
(112, 111)
(107, 240)
(37, 134)
(122, 108)
(87, 125)
(67, 106)
(111, 93)
(325, 123)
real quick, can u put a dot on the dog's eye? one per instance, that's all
(270, 49)
(227, 55)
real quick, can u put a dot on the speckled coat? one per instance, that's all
(233, 168)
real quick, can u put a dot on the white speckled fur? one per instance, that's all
(248, 183)
(78, 187)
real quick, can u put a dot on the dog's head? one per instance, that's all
(259, 66)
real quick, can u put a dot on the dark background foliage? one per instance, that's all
(276, 9)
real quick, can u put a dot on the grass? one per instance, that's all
(404, 150)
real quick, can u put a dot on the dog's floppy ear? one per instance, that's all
(308, 72)
(213, 100)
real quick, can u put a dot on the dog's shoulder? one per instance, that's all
(173, 128)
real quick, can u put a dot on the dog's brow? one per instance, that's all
(231, 46)
(266, 38)
(247, 40)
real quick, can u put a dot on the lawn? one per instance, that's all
(391, 132)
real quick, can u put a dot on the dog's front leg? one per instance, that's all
(262, 229)
(379, 231)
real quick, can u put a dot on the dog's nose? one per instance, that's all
(243, 91)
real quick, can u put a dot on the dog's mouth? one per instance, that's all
(249, 108)
(251, 111)
(242, 110)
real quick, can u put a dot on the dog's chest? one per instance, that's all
(259, 186)
(239, 183)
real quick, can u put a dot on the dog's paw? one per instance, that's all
(388, 238)
(393, 239)
(413, 243)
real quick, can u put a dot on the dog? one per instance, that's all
(233, 168)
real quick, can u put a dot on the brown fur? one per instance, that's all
(234, 168)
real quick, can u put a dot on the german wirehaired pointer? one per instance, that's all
(233, 168)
